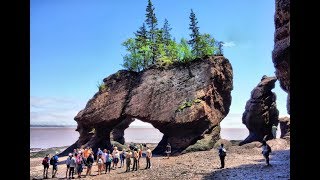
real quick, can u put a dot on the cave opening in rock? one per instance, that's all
(142, 132)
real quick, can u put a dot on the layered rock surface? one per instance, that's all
(261, 111)
(281, 51)
(284, 127)
(185, 102)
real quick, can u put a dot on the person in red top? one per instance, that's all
(45, 163)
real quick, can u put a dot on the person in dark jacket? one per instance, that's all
(222, 155)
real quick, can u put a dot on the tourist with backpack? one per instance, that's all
(108, 161)
(89, 163)
(222, 154)
(45, 163)
(54, 162)
(79, 164)
(68, 161)
(266, 150)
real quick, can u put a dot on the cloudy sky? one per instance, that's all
(75, 44)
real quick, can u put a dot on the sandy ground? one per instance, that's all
(242, 162)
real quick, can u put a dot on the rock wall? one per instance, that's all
(281, 51)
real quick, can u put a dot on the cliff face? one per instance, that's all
(186, 102)
(281, 51)
(261, 111)
(285, 127)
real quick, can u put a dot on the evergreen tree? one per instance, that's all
(166, 32)
(152, 23)
(206, 45)
(143, 45)
(195, 35)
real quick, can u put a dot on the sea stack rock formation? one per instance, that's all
(281, 51)
(285, 127)
(261, 111)
(185, 102)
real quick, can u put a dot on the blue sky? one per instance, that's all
(75, 44)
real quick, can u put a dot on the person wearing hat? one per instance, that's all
(68, 161)
(55, 164)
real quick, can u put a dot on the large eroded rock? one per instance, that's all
(281, 51)
(285, 127)
(186, 102)
(261, 111)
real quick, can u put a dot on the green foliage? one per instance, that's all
(207, 45)
(101, 86)
(152, 46)
(184, 52)
(186, 104)
(197, 100)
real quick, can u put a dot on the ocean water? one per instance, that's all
(45, 137)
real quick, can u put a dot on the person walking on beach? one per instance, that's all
(274, 131)
(222, 155)
(54, 162)
(148, 158)
(72, 165)
(68, 161)
(45, 163)
(128, 160)
(168, 150)
(89, 162)
(266, 150)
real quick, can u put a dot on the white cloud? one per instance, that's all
(140, 123)
(54, 111)
(229, 44)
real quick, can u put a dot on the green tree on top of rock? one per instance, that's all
(153, 46)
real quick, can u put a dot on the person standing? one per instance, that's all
(72, 165)
(108, 161)
(266, 150)
(168, 150)
(274, 131)
(222, 155)
(148, 158)
(68, 161)
(122, 157)
(45, 163)
(54, 165)
(90, 160)
(135, 160)
(115, 157)
(128, 160)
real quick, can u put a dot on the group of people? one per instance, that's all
(105, 160)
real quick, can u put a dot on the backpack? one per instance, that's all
(45, 161)
(222, 152)
(51, 161)
(109, 158)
